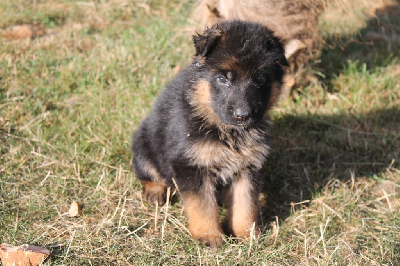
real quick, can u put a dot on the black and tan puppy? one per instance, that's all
(208, 130)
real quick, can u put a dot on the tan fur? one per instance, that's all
(201, 101)
(232, 64)
(226, 161)
(153, 192)
(200, 60)
(203, 217)
(243, 212)
(153, 172)
(208, 153)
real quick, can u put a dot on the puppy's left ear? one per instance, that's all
(203, 43)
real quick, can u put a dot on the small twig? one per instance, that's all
(381, 198)
(252, 237)
(117, 208)
(199, 254)
(347, 245)
(387, 199)
(332, 210)
(146, 246)
(166, 214)
(299, 203)
(110, 166)
(277, 230)
(137, 229)
(177, 188)
(305, 242)
(353, 179)
(44, 179)
(101, 179)
(321, 230)
(121, 215)
(46, 164)
(16, 221)
(69, 244)
(156, 217)
(306, 173)
(179, 225)
(321, 238)
(179, 192)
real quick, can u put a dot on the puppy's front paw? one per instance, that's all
(211, 240)
(254, 233)
(154, 192)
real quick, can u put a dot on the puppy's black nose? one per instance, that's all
(241, 114)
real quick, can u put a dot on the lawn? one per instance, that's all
(71, 97)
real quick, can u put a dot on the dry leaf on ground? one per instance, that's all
(75, 209)
(22, 255)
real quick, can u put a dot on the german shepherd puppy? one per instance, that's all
(208, 131)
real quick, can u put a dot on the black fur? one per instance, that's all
(218, 105)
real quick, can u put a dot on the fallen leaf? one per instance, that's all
(75, 209)
(22, 255)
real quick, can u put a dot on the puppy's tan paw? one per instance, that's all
(245, 235)
(154, 192)
(212, 241)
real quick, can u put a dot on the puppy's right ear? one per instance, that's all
(203, 43)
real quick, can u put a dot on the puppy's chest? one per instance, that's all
(225, 160)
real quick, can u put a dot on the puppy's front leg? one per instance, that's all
(243, 206)
(154, 192)
(203, 217)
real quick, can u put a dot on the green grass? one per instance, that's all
(71, 99)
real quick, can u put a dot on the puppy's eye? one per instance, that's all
(222, 80)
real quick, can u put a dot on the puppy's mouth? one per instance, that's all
(240, 123)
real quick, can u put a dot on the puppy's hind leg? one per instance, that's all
(154, 188)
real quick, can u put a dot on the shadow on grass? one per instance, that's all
(311, 151)
(375, 45)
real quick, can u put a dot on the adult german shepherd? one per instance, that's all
(208, 131)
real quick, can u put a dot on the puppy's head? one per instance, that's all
(240, 70)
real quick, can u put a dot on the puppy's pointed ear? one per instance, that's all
(203, 43)
(282, 61)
